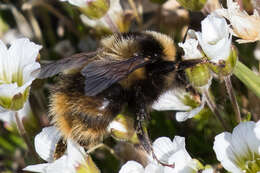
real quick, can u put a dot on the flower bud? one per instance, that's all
(115, 19)
(95, 9)
(199, 75)
(225, 68)
(122, 128)
(193, 5)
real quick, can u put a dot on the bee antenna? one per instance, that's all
(182, 65)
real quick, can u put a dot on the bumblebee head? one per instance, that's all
(163, 46)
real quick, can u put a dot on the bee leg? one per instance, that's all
(60, 148)
(142, 134)
(146, 143)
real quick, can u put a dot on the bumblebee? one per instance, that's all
(130, 69)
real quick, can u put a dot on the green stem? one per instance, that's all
(232, 97)
(214, 109)
(248, 77)
(25, 136)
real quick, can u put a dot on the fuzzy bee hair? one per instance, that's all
(128, 70)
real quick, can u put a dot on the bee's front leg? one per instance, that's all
(142, 134)
(140, 111)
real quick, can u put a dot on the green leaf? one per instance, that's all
(248, 77)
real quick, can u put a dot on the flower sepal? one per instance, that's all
(225, 68)
(199, 75)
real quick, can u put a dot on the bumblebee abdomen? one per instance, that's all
(82, 118)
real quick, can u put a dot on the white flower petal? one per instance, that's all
(10, 90)
(45, 142)
(218, 51)
(76, 154)
(183, 116)
(178, 143)
(215, 39)
(37, 168)
(183, 163)
(208, 170)
(154, 168)
(132, 166)
(225, 153)
(3, 53)
(163, 148)
(172, 100)
(28, 76)
(59, 165)
(167, 151)
(213, 29)
(190, 47)
(247, 141)
(23, 52)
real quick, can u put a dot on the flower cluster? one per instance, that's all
(169, 152)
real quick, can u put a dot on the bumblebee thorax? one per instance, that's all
(119, 47)
(147, 43)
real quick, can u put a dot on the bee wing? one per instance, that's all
(73, 62)
(100, 75)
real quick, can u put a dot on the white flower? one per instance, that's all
(215, 39)
(239, 151)
(244, 26)
(169, 152)
(177, 99)
(190, 47)
(115, 13)
(17, 64)
(45, 143)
